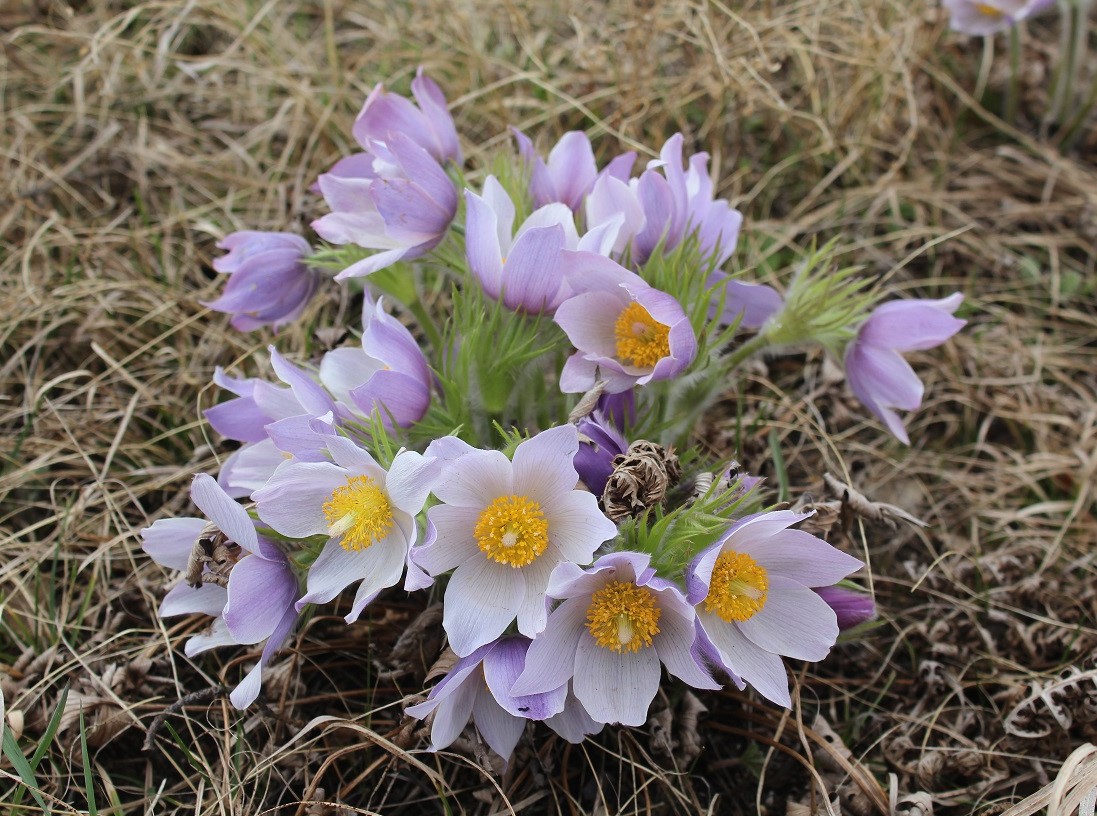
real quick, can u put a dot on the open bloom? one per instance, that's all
(395, 198)
(503, 527)
(430, 124)
(478, 686)
(270, 282)
(367, 513)
(387, 373)
(570, 172)
(624, 331)
(877, 372)
(754, 598)
(617, 622)
(246, 583)
(991, 16)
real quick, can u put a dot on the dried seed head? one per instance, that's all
(641, 478)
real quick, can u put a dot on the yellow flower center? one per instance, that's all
(360, 512)
(642, 341)
(738, 587)
(512, 530)
(623, 617)
(989, 11)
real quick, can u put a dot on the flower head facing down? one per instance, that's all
(367, 513)
(269, 283)
(617, 623)
(878, 375)
(503, 526)
(624, 331)
(249, 589)
(753, 594)
(478, 686)
(430, 124)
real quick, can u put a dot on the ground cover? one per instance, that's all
(134, 136)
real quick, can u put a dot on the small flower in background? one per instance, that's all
(878, 375)
(399, 200)
(991, 16)
(430, 124)
(478, 686)
(244, 581)
(269, 282)
(388, 373)
(616, 624)
(752, 304)
(625, 332)
(367, 513)
(850, 606)
(503, 527)
(571, 170)
(754, 598)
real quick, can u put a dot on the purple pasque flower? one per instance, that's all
(270, 283)
(430, 124)
(754, 599)
(503, 526)
(617, 623)
(752, 304)
(253, 604)
(387, 373)
(396, 198)
(600, 441)
(624, 331)
(878, 375)
(272, 421)
(851, 607)
(571, 170)
(990, 16)
(367, 513)
(478, 686)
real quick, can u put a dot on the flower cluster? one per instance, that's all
(516, 445)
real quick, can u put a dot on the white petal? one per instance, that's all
(481, 601)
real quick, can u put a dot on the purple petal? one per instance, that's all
(248, 689)
(851, 607)
(500, 729)
(293, 500)
(230, 518)
(476, 479)
(533, 276)
(502, 666)
(677, 647)
(183, 599)
(765, 671)
(577, 527)
(454, 542)
(259, 593)
(794, 622)
(169, 541)
(543, 465)
(483, 245)
(804, 558)
(572, 168)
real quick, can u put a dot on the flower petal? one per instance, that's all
(763, 670)
(183, 599)
(794, 622)
(481, 601)
(550, 661)
(500, 729)
(475, 480)
(170, 541)
(804, 558)
(259, 593)
(454, 542)
(615, 686)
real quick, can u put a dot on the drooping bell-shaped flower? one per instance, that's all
(269, 283)
(878, 375)
(243, 580)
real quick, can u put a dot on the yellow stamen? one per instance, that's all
(642, 341)
(989, 11)
(360, 512)
(623, 617)
(512, 530)
(738, 588)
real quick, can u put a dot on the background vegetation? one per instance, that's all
(134, 136)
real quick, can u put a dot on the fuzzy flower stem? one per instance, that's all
(1013, 92)
(745, 351)
(426, 322)
(984, 68)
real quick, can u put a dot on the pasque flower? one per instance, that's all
(387, 373)
(269, 282)
(875, 368)
(617, 623)
(395, 198)
(502, 527)
(624, 331)
(248, 586)
(478, 686)
(754, 598)
(367, 513)
(571, 170)
(990, 16)
(430, 124)
(850, 606)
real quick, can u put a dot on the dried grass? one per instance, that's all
(134, 135)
